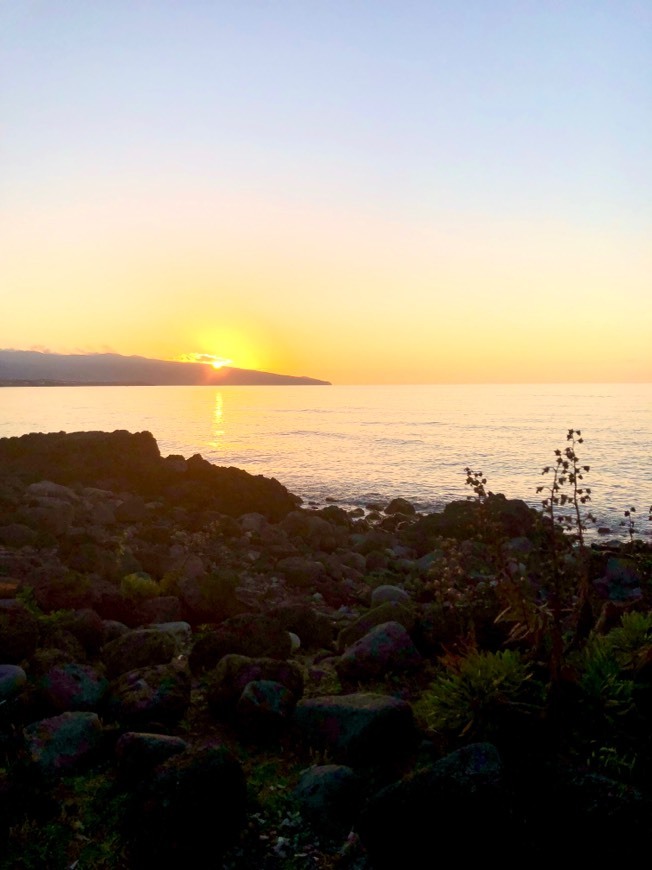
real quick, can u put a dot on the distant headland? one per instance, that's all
(26, 368)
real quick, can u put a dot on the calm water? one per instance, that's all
(361, 444)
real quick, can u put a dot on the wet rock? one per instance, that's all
(400, 506)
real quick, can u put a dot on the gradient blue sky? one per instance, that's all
(365, 192)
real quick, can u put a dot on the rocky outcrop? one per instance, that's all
(124, 462)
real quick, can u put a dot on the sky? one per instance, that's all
(396, 191)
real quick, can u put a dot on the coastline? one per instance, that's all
(164, 621)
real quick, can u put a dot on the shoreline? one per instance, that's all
(173, 633)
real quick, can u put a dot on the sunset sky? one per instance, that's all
(397, 191)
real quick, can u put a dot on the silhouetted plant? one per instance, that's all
(567, 472)
(630, 524)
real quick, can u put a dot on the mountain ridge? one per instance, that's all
(36, 368)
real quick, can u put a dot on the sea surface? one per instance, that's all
(356, 445)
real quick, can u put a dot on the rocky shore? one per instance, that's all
(192, 664)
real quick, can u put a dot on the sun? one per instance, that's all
(219, 362)
(216, 362)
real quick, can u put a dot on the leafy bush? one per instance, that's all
(139, 586)
(474, 692)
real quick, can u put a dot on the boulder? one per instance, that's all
(157, 694)
(138, 649)
(329, 798)
(427, 812)
(362, 728)
(72, 686)
(225, 684)
(189, 810)
(13, 680)
(264, 708)
(386, 648)
(252, 635)
(138, 753)
(389, 611)
(61, 744)
(400, 506)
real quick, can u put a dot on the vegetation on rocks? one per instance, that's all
(189, 661)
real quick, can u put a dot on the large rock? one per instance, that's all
(362, 728)
(251, 634)
(121, 461)
(62, 743)
(389, 611)
(71, 686)
(189, 810)
(387, 647)
(138, 649)
(13, 680)
(158, 694)
(329, 798)
(225, 684)
(456, 805)
(508, 518)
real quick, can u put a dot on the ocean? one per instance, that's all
(354, 445)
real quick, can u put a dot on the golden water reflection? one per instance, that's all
(218, 422)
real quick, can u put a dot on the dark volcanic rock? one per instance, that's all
(386, 648)
(405, 823)
(18, 631)
(130, 462)
(251, 634)
(156, 694)
(138, 649)
(227, 681)
(190, 808)
(62, 743)
(330, 796)
(72, 687)
(362, 728)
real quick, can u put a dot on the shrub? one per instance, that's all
(471, 697)
(139, 586)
